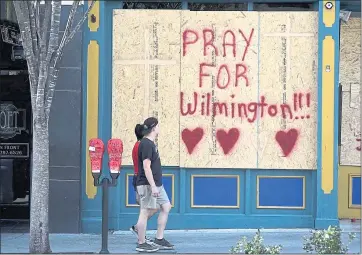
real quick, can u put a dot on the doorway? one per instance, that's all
(15, 147)
(15, 131)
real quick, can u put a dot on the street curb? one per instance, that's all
(230, 231)
(220, 231)
(74, 252)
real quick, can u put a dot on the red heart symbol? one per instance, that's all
(192, 138)
(287, 140)
(227, 140)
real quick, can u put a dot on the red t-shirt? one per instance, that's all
(135, 157)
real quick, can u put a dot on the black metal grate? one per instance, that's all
(283, 7)
(218, 7)
(152, 5)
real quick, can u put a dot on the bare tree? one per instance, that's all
(39, 27)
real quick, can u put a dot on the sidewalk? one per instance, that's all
(192, 241)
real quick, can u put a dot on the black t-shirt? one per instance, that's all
(148, 150)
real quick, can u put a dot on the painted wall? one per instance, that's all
(349, 197)
(272, 188)
(64, 131)
(65, 137)
(234, 96)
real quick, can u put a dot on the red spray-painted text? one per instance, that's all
(203, 105)
(228, 48)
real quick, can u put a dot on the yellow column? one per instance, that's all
(92, 109)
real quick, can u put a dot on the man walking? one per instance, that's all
(152, 195)
(139, 135)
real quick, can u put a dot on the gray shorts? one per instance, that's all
(137, 198)
(147, 201)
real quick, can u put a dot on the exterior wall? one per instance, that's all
(65, 138)
(349, 197)
(65, 132)
(252, 196)
(227, 198)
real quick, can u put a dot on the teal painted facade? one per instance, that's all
(327, 204)
(305, 205)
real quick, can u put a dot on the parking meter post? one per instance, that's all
(105, 187)
(96, 151)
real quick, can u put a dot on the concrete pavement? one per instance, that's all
(192, 241)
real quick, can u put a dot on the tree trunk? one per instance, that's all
(42, 53)
(39, 216)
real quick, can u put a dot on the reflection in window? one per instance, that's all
(7, 11)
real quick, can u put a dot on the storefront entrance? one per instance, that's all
(15, 127)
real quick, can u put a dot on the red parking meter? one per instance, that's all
(96, 151)
(115, 150)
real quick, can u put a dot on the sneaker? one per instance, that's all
(163, 244)
(145, 247)
(135, 232)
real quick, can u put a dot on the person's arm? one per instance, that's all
(146, 156)
(148, 171)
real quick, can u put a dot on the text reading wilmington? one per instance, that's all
(205, 106)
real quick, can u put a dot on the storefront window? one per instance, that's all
(7, 11)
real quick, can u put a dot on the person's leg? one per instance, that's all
(142, 245)
(142, 225)
(162, 220)
(147, 204)
(134, 228)
(151, 213)
(149, 216)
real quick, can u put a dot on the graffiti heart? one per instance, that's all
(191, 138)
(227, 139)
(287, 140)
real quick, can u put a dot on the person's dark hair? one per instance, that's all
(149, 124)
(138, 131)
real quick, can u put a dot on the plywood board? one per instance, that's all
(351, 85)
(288, 81)
(350, 57)
(208, 93)
(220, 138)
(350, 133)
(146, 73)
